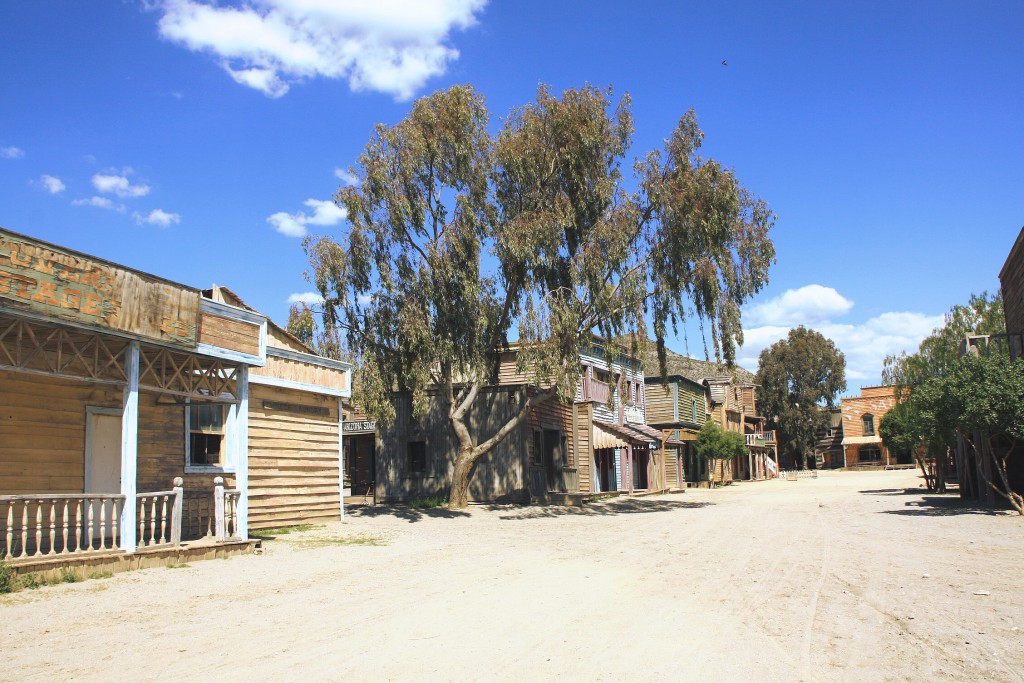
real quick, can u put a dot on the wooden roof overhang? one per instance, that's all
(50, 349)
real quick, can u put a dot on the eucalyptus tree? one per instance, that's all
(799, 377)
(458, 240)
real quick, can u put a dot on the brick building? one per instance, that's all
(861, 417)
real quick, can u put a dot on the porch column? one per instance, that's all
(130, 449)
(341, 459)
(241, 447)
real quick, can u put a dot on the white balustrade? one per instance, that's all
(225, 502)
(50, 525)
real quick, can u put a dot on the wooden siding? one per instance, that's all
(500, 475)
(659, 402)
(307, 373)
(584, 415)
(293, 458)
(42, 431)
(226, 333)
(162, 448)
(1011, 279)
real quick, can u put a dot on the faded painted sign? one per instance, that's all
(359, 427)
(54, 282)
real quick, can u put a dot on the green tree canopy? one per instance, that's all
(799, 376)
(715, 443)
(458, 238)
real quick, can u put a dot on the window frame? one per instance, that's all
(868, 424)
(225, 463)
(409, 469)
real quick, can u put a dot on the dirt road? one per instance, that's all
(847, 577)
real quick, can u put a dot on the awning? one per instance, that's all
(649, 433)
(608, 435)
(856, 440)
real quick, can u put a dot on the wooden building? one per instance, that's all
(861, 417)
(135, 411)
(695, 391)
(597, 443)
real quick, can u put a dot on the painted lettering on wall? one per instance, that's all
(48, 280)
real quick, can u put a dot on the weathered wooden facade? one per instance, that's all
(861, 417)
(599, 442)
(135, 411)
(680, 405)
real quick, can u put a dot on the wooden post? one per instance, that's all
(241, 441)
(176, 511)
(130, 450)
(218, 510)
(341, 460)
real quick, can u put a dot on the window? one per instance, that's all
(869, 454)
(206, 442)
(869, 425)
(417, 457)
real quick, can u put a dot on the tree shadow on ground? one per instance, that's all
(626, 506)
(916, 491)
(944, 506)
(404, 512)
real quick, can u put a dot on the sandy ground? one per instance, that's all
(847, 577)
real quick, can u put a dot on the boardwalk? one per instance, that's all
(845, 577)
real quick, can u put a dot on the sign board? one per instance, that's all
(53, 282)
(634, 414)
(360, 427)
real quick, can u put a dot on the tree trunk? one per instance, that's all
(459, 496)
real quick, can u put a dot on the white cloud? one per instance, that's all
(11, 152)
(865, 345)
(392, 46)
(325, 212)
(99, 202)
(308, 298)
(806, 305)
(346, 177)
(157, 217)
(52, 184)
(119, 185)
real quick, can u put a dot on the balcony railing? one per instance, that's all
(987, 345)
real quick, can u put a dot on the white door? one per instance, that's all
(103, 453)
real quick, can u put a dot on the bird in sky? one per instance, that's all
(725, 63)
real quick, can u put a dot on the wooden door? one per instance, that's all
(103, 453)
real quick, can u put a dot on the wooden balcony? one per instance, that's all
(597, 391)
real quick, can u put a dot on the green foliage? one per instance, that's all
(458, 237)
(798, 377)
(428, 502)
(715, 443)
(7, 580)
(923, 383)
(984, 394)
(301, 324)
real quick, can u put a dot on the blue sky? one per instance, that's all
(196, 140)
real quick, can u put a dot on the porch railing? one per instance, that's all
(42, 525)
(159, 516)
(225, 503)
(54, 525)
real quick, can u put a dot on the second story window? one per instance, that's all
(869, 425)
